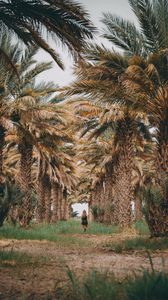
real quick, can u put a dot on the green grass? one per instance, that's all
(40, 232)
(95, 286)
(11, 257)
(62, 233)
(14, 256)
(74, 227)
(141, 228)
(139, 243)
(149, 286)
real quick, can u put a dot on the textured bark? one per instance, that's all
(158, 214)
(109, 214)
(40, 200)
(60, 196)
(157, 219)
(68, 211)
(2, 140)
(138, 209)
(26, 210)
(64, 205)
(90, 203)
(97, 199)
(55, 195)
(123, 189)
(47, 187)
(162, 167)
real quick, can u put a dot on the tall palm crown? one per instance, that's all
(152, 35)
(63, 20)
(146, 83)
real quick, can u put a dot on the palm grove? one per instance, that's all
(105, 138)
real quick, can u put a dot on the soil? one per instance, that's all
(43, 277)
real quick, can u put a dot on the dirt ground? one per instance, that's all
(43, 278)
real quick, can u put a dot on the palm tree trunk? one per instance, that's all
(123, 189)
(138, 209)
(69, 207)
(59, 203)
(26, 212)
(2, 140)
(40, 200)
(158, 213)
(90, 215)
(96, 201)
(64, 205)
(55, 192)
(109, 216)
(47, 187)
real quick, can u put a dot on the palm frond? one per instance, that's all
(123, 34)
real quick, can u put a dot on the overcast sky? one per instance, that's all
(95, 9)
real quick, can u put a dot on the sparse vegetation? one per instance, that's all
(138, 244)
(97, 286)
(141, 227)
(61, 232)
(13, 258)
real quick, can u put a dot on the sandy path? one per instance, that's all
(35, 280)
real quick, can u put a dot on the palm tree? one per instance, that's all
(7, 65)
(151, 34)
(148, 88)
(64, 21)
(56, 171)
(32, 118)
(99, 80)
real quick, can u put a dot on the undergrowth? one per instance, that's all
(138, 243)
(62, 232)
(11, 257)
(96, 286)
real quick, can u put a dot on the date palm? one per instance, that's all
(32, 117)
(7, 65)
(148, 88)
(32, 22)
(121, 127)
(151, 34)
(56, 172)
(32, 124)
(99, 80)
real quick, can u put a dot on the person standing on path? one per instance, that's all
(84, 220)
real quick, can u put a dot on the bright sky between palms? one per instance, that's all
(95, 9)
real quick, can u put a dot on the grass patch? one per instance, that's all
(12, 258)
(141, 227)
(40, 232)
(95, 286)
(139, 243)
(59, 233)
(98, 229)
(150, 286)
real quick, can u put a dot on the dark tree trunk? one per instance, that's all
(47, 187)
(55, 196)
(109, 215)
(2, 140)
(60, 196)
(158, 213)
(64, 205)
(138, 209)
(123, 188)
(40, 200)
(26, 211)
